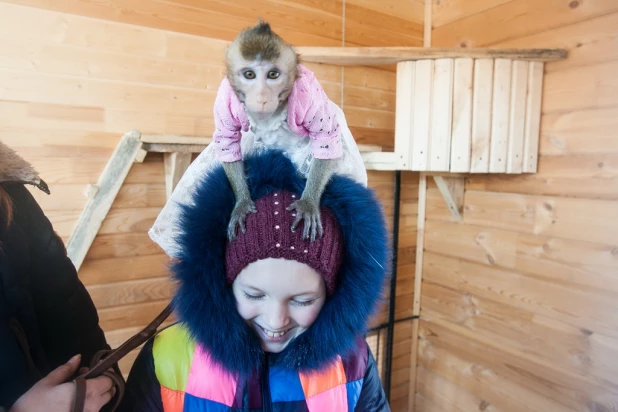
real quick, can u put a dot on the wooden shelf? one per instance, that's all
(394, 55)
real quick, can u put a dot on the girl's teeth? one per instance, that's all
(274, 334)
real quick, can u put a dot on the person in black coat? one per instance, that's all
(46, 315)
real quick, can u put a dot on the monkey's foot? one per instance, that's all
(239, 214)
(310, 212)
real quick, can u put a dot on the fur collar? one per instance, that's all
(206, 304)
(13, 168)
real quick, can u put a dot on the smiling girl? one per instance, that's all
(269, 321)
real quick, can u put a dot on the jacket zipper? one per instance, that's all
(266, 401)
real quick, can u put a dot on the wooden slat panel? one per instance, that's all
(423, 84)
(533, 117)
(404, 116)
(130, 315)
(517, 18)
(518, 118)
(394, 31)
(481, 115)
(461, 145)
(441, 115)
(501, 100)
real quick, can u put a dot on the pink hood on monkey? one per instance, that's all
(310, 113)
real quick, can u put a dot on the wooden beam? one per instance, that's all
(380, 160)
(176, 164)
(175, 139)
(418, 282)
(394, 55)
(452, 190)
(103, 196)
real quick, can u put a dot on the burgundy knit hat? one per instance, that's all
(269, 235)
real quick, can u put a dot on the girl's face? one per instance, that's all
(279, 299)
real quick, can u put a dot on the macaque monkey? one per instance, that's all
(268, 99)
(268, 92)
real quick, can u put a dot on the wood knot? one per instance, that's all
(548, 206)
(484, 405)
(600, 165)
(463, 44)
(615, 251)
(586, 332)
(574, 4)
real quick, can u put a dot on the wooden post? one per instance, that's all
(176, 164)
(452, 190)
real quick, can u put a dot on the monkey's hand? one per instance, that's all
(309, 211)
(242, 208)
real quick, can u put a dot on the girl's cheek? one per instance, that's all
(247, 311)
(308, 316)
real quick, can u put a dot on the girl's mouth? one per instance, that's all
(273, 336)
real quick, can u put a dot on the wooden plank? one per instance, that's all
(418, 281)
(479, 369)
(96, 208)
(573, 265)
(423, 83)
(66, 90)
(452, 190)
(413, 12)
(454, 294)
(448, 396)
(579, 132)
(394, 55)
(131, 315)
(394, 31)
(441, 115)
(126, 293)
(175, 139)
(368, 98)
(404, 116)
(453, 10)
(114, 269)
(369, 77)
(380, 119)
(590, 176)
(199, 20)
(481, 115)
(461, 144)
(587, 42)
(380, 160)
(122, 245)
(500, 115)
(518, 118)
(586, 87)
(533, 117)
(517, 18)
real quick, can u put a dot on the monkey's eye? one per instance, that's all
(249, 74)
(273, 74)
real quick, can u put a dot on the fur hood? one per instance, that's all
(206, 304)
(13, 168)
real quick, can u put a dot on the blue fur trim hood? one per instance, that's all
(206, 303)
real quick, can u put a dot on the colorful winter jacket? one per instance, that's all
(213, 361)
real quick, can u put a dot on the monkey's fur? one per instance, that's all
(254, 52)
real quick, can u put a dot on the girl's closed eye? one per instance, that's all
(253, 297)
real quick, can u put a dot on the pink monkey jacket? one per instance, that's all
(309, 114)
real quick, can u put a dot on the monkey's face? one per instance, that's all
(262, 86)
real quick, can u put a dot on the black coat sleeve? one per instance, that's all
(372, 397)
(143, 391)
(66, 315)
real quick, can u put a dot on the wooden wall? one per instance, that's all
(84, 73)
(519, 301)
